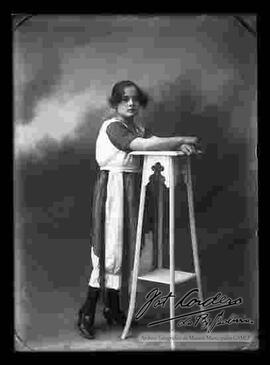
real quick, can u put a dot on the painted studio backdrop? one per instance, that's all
(200, 74)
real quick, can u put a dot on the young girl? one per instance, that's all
(115, 202)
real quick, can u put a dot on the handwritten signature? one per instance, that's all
(218, 301)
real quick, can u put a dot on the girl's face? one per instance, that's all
(129, 106)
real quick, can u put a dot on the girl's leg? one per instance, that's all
(87, 313)
(112, 312)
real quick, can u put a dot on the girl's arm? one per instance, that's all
(161, 143)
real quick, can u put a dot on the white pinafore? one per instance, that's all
(116, 162)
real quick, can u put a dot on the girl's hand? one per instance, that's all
(187, 149)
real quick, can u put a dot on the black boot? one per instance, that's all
(112, 312)
(86, 315)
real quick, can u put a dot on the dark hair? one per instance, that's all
(118, 92)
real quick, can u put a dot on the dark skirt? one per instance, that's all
(132, 186)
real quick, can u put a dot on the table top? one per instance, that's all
(162, 153)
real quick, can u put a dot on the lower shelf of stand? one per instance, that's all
(163, 276)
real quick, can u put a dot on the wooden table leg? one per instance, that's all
(160, 225)
(193, 228)
(172, 269)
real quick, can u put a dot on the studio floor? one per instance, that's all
(58, 333)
